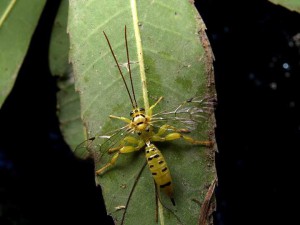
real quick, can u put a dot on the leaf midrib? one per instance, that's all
(139, 49)
(6, 12)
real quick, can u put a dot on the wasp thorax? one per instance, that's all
(139, 120)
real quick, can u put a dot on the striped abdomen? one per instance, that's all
(159, 170)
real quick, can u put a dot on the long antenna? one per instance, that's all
(112, 52)
(128, 62)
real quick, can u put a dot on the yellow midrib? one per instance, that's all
(140, 53)
(7, 11)
(143, 75)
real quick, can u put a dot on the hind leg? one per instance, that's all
(177, 134)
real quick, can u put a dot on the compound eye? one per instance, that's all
(131, 113)
(142, 110)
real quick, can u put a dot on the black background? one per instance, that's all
(257, 71)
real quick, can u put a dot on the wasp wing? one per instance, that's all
(99, 144)
(187, 115)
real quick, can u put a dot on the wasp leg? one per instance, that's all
(129, 140)
(152, 106)
(121, 150)
(176, 135)
(164, 128)
(126, 120)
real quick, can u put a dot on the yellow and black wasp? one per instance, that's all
(143, 128)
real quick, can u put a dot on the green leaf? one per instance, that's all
(59, 43)
(293, 5)
(18, 20)
(173, 60)
(68, 104)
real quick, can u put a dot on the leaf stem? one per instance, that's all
(140, 53)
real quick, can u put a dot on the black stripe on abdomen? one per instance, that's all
(165, 185)
(153, 156)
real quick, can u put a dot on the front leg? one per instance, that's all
(152, 106)
(126, 120)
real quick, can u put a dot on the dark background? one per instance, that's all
(257, 72)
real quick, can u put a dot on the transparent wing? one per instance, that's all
(99, 144)
(188, 114)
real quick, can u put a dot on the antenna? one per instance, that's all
(128, 61)
(112, 52)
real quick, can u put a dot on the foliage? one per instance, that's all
(170, 56)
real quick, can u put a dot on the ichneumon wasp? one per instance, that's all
(144, 128)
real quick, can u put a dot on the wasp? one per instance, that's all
(144, 128)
